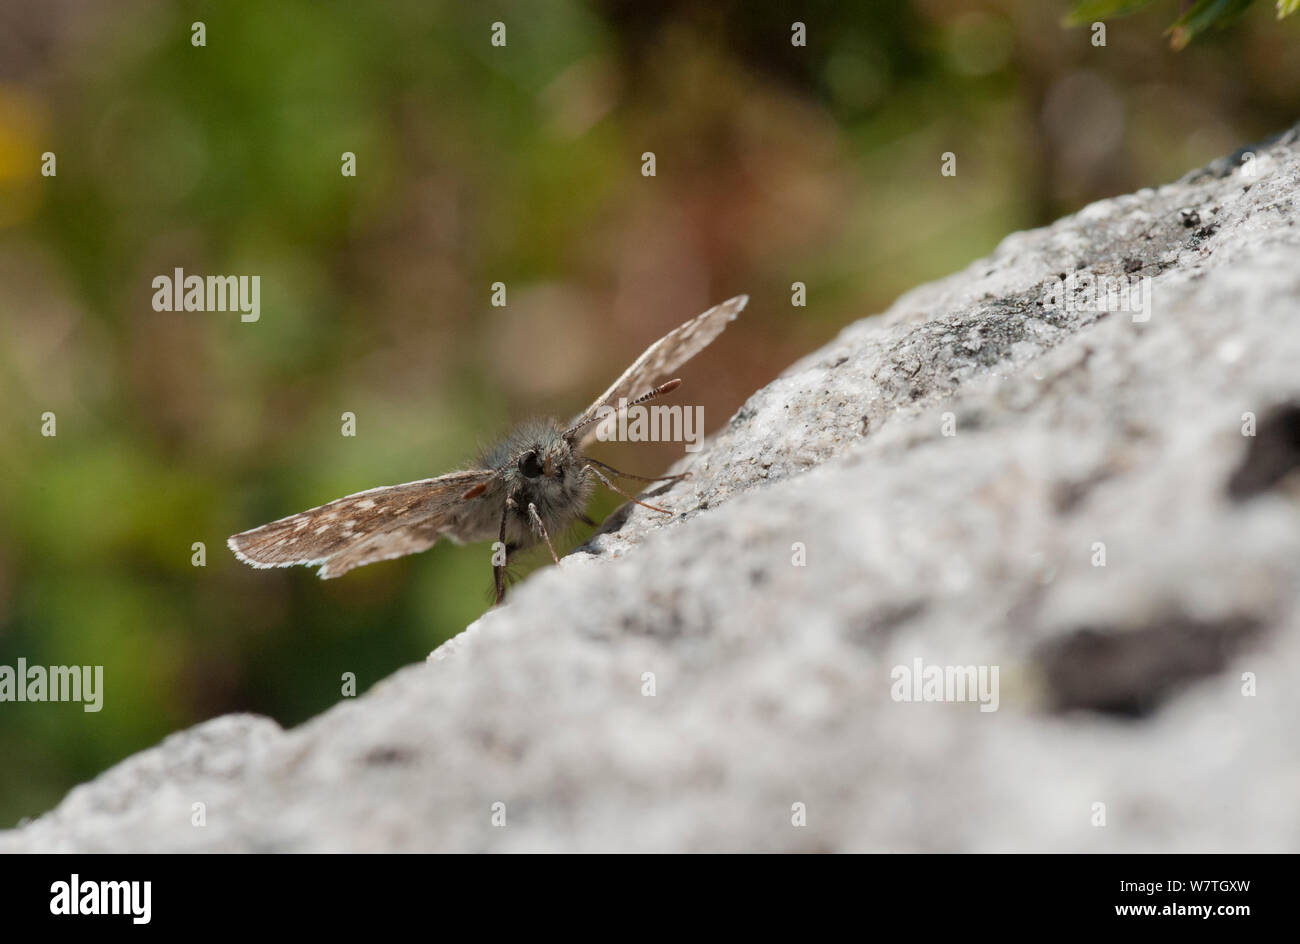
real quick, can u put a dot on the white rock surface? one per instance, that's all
(1119, 685)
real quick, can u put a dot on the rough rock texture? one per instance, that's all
(1119, 684)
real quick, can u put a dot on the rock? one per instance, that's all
(952, 473)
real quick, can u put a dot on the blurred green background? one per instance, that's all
(475, 164)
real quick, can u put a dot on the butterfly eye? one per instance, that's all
(529, 466)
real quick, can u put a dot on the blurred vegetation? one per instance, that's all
(475, 164)
(1195, 18)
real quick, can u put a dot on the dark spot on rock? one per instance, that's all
(384, 756)
(866, 425)
(842, 359)
(615, 521)
(1133, 264)
(1066, 496)
(1190, 217)
(662, 620)
(883, 622)
(1273, 453)
(1130, 672)
(757, 576)
(1205, 232)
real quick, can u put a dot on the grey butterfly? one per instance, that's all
(534, 482)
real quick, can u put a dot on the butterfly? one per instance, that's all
(532, 483)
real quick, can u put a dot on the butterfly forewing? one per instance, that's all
(372, 525)
(662, 358)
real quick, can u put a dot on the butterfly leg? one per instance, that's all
(499, 570)
(537, 520)
(614, 488)
(629, 475)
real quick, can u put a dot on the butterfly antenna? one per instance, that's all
(658, 391)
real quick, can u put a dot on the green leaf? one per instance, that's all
(1203, 15)
(1090, 11)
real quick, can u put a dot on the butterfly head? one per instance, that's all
(538, 463)
(550, 460)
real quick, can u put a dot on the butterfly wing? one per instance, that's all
(661, 358)
(377, 524)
